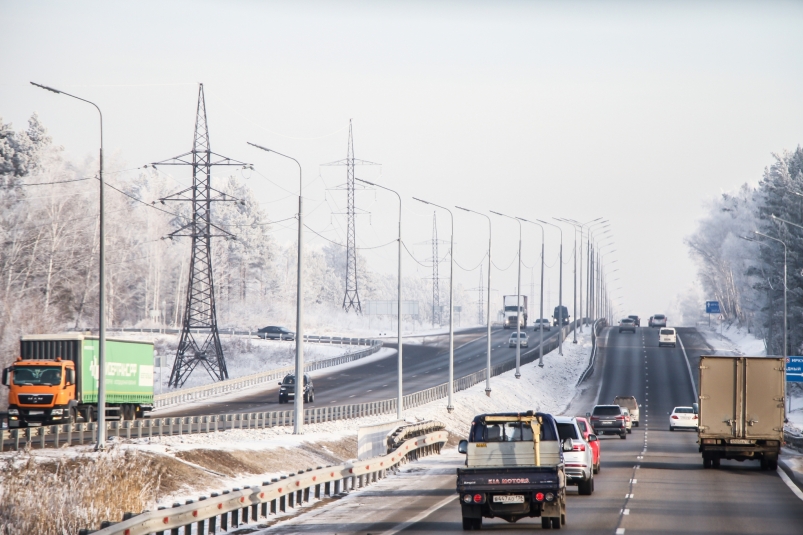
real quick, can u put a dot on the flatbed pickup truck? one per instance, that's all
(514, 470)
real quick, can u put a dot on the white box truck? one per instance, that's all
(512, 308)
(741, 409)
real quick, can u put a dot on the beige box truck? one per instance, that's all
(741, 409)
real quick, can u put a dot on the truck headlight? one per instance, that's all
(13, 412)
(56, 412)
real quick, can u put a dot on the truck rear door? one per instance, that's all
(720, 412)
(763, 397)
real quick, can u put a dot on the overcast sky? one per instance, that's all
(634, 111)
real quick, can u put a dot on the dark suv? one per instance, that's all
(276, 333)
(609, 419)
(287, 390)
(636, 320)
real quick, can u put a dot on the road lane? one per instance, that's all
(651, 483)
(374, 379)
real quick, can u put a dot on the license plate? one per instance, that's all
(516, 498)
(35, 413)
(740, 441)
(607, 422)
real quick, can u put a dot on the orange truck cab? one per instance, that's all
(43, 389)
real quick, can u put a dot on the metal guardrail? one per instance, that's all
(196, 393)
(596, 329)
(793, 440)
(81, 433)
(239, 507)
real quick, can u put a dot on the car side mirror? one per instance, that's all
(588, 415)
(568, 445)
(592, 438)
(6, 376)
(280, 383)
(462, 447)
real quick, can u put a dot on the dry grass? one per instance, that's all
(61, 497)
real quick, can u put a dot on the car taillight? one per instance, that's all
(694, 417)
(579, 447)
(478, 498)
(674, 417)
(620, 417)
(539, 496)
(594, 418)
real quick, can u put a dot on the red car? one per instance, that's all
(586, 429)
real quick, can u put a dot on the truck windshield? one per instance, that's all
(511, 308)
(37, 375)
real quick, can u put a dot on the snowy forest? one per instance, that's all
(743, 270)
(49, 259)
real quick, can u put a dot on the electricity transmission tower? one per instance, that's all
(200, 340)
(351, 300)
(436, 293)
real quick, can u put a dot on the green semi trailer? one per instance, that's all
(55, 380)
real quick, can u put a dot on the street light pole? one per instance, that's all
(488, 318)
(298, 424)
(578, 296)
(540, 319)
(518, 301)
(785, 333)
(101, 437)
(560, 288)
(400, 393)
(449, 405)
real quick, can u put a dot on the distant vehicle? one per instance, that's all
(683, 418)
(522, 340)
(659, 320)
(287, 390)
(741, 411)
(636, 320)
(542, 322)
(609, 420)
(276, 333)
(512, 310)
(627, 324)
(667, 337)
(628, 420)
(580, 461)
(561, 313)
(514, 469)
(630, 403)
(588, 432)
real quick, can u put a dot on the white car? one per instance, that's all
(628, 420)
(522, 340)
(667, 336)
(683, 418)
(579, 463)
(547, 325)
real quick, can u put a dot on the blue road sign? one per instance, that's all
(712, 307)
(794, 369)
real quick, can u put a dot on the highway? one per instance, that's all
(651, 483)
(426, 364)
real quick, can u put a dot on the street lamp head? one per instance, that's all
(497, 213)
(46, 87)
(259, 146)
(364, 181)
(421, 200)
(464, 209)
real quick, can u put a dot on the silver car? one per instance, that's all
(522, 340)
(547, 325)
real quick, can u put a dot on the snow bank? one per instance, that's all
(733, 341)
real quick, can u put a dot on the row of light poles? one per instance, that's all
(299, 338)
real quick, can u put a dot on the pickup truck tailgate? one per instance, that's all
(500, 479)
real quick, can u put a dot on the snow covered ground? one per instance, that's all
(244, 355)
(733, 340)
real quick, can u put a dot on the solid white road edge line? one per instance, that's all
(688, 367)
(420, 516)
(790, 483)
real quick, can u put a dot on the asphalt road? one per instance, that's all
(651, 483)
(426, 364)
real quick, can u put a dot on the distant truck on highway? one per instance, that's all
(55, 380)
(560, 316)
(512, 311)
(514, 470)
(741, 409)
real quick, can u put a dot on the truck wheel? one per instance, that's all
(764, 464)
(546, 522)
(772, 464)
(635, 423)
(715, 462)
(555, 522)
(629, 431)
(623, 436)
(706, 462)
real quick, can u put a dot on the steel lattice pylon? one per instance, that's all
(200, 340)
(351, 299)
